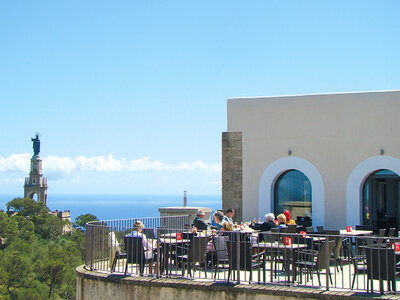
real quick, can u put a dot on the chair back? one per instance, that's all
(187, 236)
(268, 237)
(220, 247)
(334, 235)
(325, 249)
(381, 263)
(310, 229)
(134, 250)
(291, 228)
(198, 249)
(244, 254)
(364, 227)
(392, 232)
(381, 234)
(149, 232)
(320, 229)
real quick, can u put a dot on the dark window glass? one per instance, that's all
(380, 200)
(293, 193)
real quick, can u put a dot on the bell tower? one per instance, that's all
(36, 183)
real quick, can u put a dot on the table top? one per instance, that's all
(245, 230)
(277, 245)
(173, 241)
(173, 235)
(355, 232)
(316, 238)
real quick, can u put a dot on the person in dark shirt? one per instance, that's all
(199, 222)
(266, 226)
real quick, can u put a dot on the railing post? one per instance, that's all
(327, 257)
(158, 255)
(238, 256)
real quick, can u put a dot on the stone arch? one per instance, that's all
(356, 181)
(32, 196)
(277, 168)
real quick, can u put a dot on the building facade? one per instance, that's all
(331, 159)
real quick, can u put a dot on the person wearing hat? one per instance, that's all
(199, 222)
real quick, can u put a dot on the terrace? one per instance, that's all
(341, 263)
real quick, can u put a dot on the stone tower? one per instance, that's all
(36, 183)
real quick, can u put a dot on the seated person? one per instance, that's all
(219, 219)
(148, 247)
(281, 221)
(289, 221)
(230, 213)
(199, 222)
(267, 225)
(226, 226)
(213, 223)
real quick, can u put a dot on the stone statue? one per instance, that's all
(36, 145)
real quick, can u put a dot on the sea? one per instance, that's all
(110, 207)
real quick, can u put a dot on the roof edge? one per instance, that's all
(315, 94)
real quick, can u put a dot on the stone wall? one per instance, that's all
(232, 173)
(98, 286)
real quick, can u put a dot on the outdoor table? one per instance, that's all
(173, 235)
(173, 241)
(355, 233)
(316, 238)
(246, 230)
(344, 232)
(287, 251)
(168, 246)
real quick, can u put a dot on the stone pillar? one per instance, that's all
(232, 173)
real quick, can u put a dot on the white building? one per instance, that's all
(334, 158)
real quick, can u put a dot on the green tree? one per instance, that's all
(81, 220)
(58, 268)
(25, 207)
(37, 260)
(15, 268)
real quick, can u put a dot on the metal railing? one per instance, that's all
(166, 247)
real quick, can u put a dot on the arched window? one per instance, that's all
(292, 192)
(380, 200)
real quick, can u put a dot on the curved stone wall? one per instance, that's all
(96, 285)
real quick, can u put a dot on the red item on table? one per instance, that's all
(287, 241)
(397, 247)
(303, 233)
(349, 228)
(179, 236)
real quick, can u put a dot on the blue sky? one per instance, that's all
(143, 85)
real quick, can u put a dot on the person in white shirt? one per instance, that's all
(230, 213)
(147, 246)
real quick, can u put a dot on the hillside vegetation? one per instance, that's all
(38, 261)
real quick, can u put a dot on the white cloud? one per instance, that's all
(15, 162)
(65, 165)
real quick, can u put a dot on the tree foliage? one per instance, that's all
(38, 261)
(81, 220)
